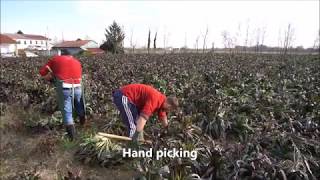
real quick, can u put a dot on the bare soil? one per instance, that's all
(27, 153)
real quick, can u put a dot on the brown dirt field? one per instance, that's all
(45, 154)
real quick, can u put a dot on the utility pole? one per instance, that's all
(185, 40)
(62, 38)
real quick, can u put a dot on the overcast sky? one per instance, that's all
(181, 22)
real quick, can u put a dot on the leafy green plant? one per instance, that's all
(253, 107)
(66, 144)
(100, 149)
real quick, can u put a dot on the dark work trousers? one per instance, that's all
(128, 111)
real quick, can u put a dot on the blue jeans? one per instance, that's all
(128, 111)
(68, 107)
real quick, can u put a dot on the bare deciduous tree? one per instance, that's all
(247, 37)
(264, 30)
(227, 41)
(259, 39)
(237, 37)
(167, 40)
(316, 44)
(288, 39)
(197, 42)
(257, 44)
(131, 41)
(205, 39)
(185, 41)
(279, 41)
(212, 47)
(164, 41)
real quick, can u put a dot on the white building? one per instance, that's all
(78, 46)
(8, 46)
(30, 41)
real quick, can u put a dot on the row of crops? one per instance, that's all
(248, 116)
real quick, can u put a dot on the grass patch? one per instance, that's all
(66, 144)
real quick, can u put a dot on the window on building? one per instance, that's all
(30, 42)
(36, 42)
(18, 42)
(25, 42)
(41, 42)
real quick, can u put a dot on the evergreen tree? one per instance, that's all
(155, 41)
(149, 41)
(114, 39)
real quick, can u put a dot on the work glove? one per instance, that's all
(164, 131)
(137, 139)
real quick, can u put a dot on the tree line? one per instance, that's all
(115, 35)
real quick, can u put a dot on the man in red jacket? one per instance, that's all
(137, 102)
(66, 73)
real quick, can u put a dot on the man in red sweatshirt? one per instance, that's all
(66, 73)
(137, 102)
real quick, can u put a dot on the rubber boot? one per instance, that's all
(71, 131)
(83, 121)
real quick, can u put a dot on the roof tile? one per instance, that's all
(6, 40)
(77, 43)
(26, 36)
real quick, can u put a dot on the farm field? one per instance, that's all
(248, 116)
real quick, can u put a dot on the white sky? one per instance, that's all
(183, 21)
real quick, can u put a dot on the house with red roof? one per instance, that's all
(30, 41)
(78, 46)
(8, 46)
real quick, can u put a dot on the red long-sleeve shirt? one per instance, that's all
(147, 99)
(66, 68)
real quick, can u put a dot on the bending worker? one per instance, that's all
(65, 72)
(137, 102)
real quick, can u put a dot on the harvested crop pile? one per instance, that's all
(248, 116)
(101, 150)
